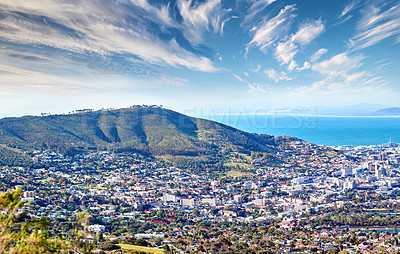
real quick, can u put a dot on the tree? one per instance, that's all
(333, 251)
(24, 236)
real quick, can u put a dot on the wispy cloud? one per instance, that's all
(199, 17)
(253, 88)
(102, 28)
(375, 26)
(270, 30)
(256, 88)
(256, 7)
(306, 66)
(341, 70)
(338, 65)
(276, 76)
(238, 78)
(161, 14)
(308, 32)
(348, 8)
(286, 50)
(317, 55)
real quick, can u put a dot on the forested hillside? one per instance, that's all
(145, 129)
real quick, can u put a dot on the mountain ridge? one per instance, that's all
(394, 111)
(145, 129)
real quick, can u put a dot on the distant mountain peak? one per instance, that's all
(394, 111)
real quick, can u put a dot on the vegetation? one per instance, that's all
(21, 234)
(141, 248)
(13, 157)
(192, 141)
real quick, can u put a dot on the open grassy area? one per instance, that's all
(235, 173)
(331, 153)
(46, 180)
(11, 149)
(141, 248)
(238, 164)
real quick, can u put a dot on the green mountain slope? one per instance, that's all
(151, 130)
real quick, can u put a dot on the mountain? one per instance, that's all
(146, 129)
(387, 112)
(362, 109)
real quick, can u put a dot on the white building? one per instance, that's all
(347, 172)
(210, 201)
(298, 180)
(170, 198)
(96, 228)
(238, 198)
(28, 196)
(187, 202)
(348, 185)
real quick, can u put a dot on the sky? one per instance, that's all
(60, 55)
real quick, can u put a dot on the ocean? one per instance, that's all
(321, 130)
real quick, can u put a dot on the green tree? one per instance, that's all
(24, 236)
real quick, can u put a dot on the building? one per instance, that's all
(348, 185)
(347, 172)
(28, 196)
(238, 199)
(210, 201)
(298, 180)
(96, 228)
(187, 202)
(380, 172)
(170, 198)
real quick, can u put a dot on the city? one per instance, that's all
(301, 205)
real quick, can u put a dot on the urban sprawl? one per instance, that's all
(337, 199)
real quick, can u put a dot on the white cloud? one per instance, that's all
(356, 76)
(348, 8)
(340, 71)
(255, 69)
(292, 65)
(255, 89)
(199, 17)
(317, 55)
(374, 80)
(276, 76)
(95, 27)
(162, 13)
(17, 79)
(238, 78)
(285, 51)
(375, 26)
(338, 65)
(270, 31)
(306, 66)
(174, 81)
(256, 7)
(308, 32)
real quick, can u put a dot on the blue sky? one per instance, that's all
(61, 55)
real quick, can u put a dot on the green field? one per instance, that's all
(46, 180)
(141, 248)
(235, 173)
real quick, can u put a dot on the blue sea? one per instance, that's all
(322, 130)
